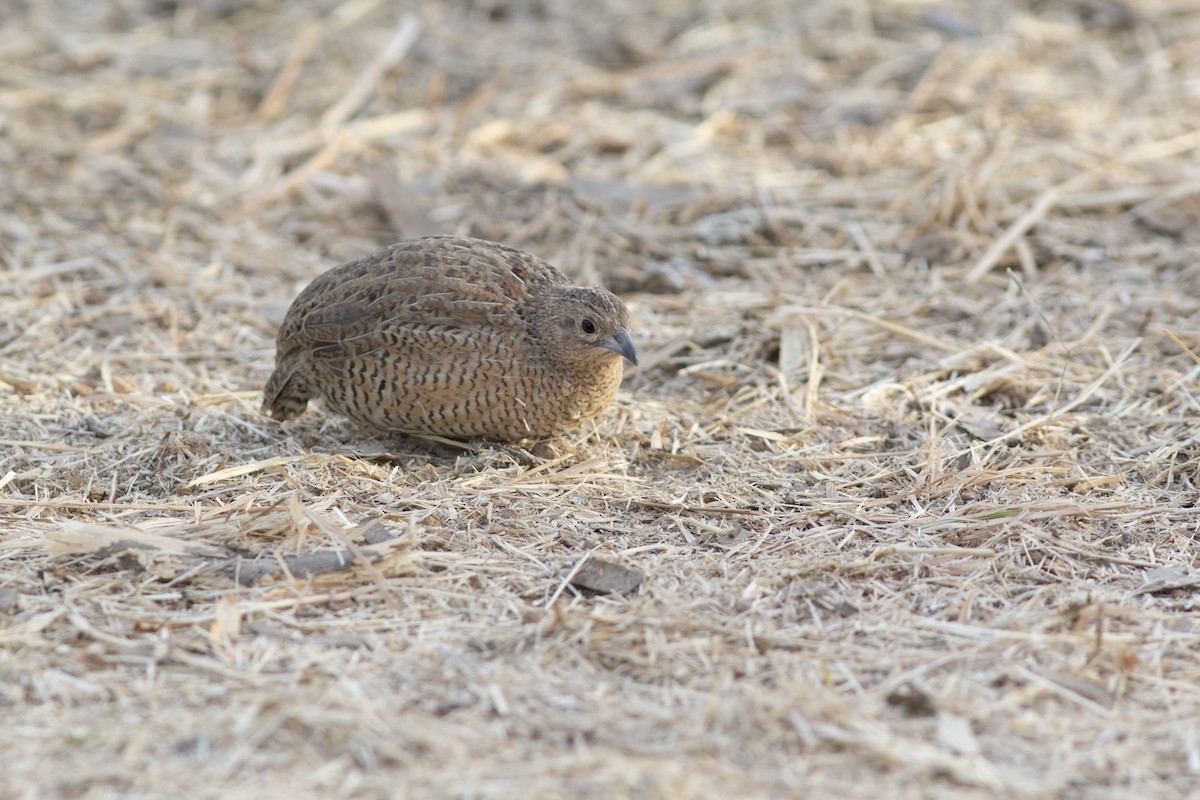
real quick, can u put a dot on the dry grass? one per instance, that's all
(909, 467)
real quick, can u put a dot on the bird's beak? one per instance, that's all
(622, 345)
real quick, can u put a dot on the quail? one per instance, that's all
(454, 337)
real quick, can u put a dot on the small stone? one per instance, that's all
(606, 577)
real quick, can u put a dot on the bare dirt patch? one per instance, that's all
(907, 473)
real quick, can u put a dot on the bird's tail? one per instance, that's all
(287, 393)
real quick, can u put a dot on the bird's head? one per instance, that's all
(582, 326)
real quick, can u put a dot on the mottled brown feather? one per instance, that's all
(450, 336)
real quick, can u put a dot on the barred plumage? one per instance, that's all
(451, 336)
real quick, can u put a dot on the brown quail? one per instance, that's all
(453, 337)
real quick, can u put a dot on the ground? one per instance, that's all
(907, 470)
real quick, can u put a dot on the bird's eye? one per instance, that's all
(587, 326)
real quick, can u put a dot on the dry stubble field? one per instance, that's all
(908, 470)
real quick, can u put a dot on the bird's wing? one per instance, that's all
(426, 345)
(426, 284)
